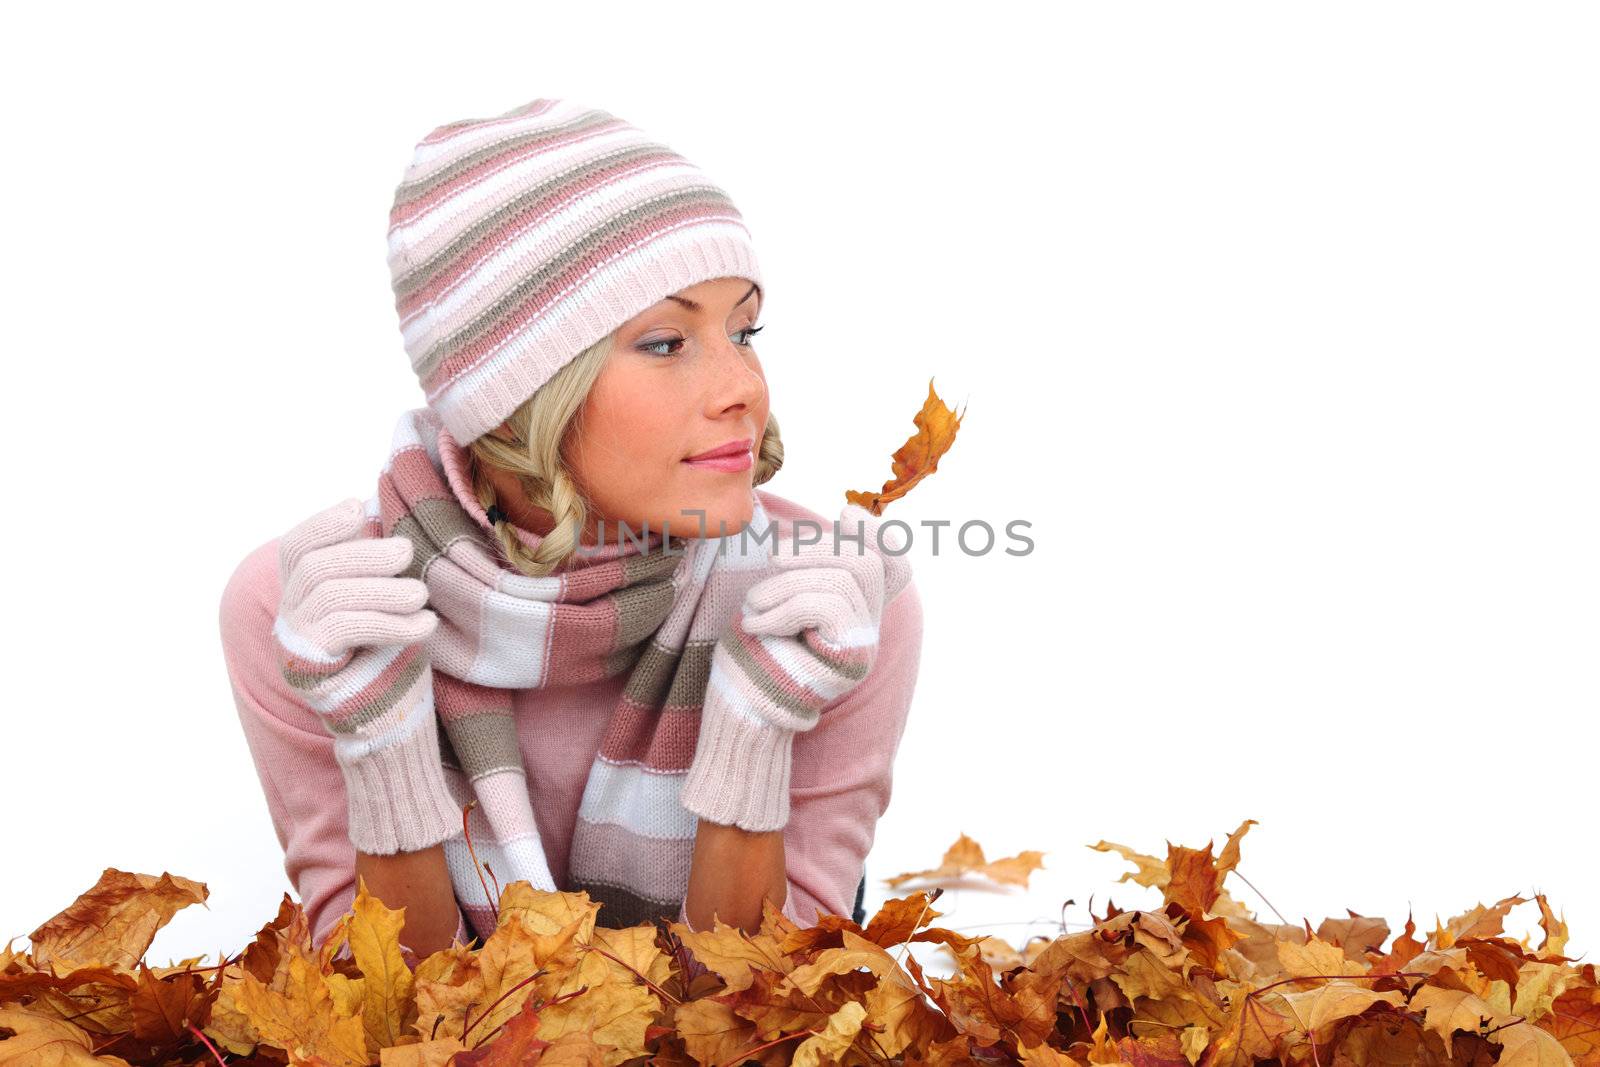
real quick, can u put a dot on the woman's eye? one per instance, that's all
(651, 346)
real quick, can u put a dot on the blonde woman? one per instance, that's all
(567, 624)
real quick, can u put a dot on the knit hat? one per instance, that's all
(515, 242)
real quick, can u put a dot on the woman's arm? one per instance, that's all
(304, 790)
(731, 872)
(840, 779)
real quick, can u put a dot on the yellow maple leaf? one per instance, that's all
(303, 1018)
(374, 934)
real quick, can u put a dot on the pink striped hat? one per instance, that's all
(517, 241)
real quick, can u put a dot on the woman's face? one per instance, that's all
(683, 378)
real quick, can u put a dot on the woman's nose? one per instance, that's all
(737, 378)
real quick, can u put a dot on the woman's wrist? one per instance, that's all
(420, 883)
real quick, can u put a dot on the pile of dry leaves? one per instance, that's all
(1198, 981)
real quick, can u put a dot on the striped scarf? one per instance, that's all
(650, 611)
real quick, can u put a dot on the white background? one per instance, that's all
(1278, 322)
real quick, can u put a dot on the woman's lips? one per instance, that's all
(738, 462)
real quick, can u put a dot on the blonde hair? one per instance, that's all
(534, 456)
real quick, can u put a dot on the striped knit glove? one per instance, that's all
(808, 635)
(349, 638)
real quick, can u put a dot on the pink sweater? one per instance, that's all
(840, 782)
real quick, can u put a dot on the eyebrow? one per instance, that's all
(693, 306)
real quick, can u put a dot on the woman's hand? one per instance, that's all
(341, 606)
(808, 634)
(349, 634)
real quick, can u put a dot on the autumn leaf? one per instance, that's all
(29, 1039)
(1525, 1045)
(1315, 1009)
(163, 1009)
(1446, 1011)
(730, 953)
(712, 1032)
(826, 1047)
(1189, 877)
(374, 934)
(113, 922)
(1198, 982)
(1555, 930)
(301, 1018)
(965, 859)
(435, 1053)
(918, 457)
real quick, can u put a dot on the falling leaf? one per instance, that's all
(918, 457)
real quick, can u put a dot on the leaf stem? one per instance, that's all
(747, 1053)
(207, 1043)
(662, 993)
(494, 905)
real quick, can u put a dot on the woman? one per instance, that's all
(557, 612)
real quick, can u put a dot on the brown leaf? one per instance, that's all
(1574, 1021)
(436, 1053)
(1254, 1031)
(514, 1047)
(1189, 984)
(164, 1009)
(1405, 949)
(730, 953)
(918, 457)
(114, 921)
(899, 918)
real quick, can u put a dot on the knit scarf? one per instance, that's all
(648, 608)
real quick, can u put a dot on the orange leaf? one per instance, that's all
(965, 858)
(41, 1041)
(114, 921)
(918, 457)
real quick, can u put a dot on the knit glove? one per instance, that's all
(349, 635)
(807, 635)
